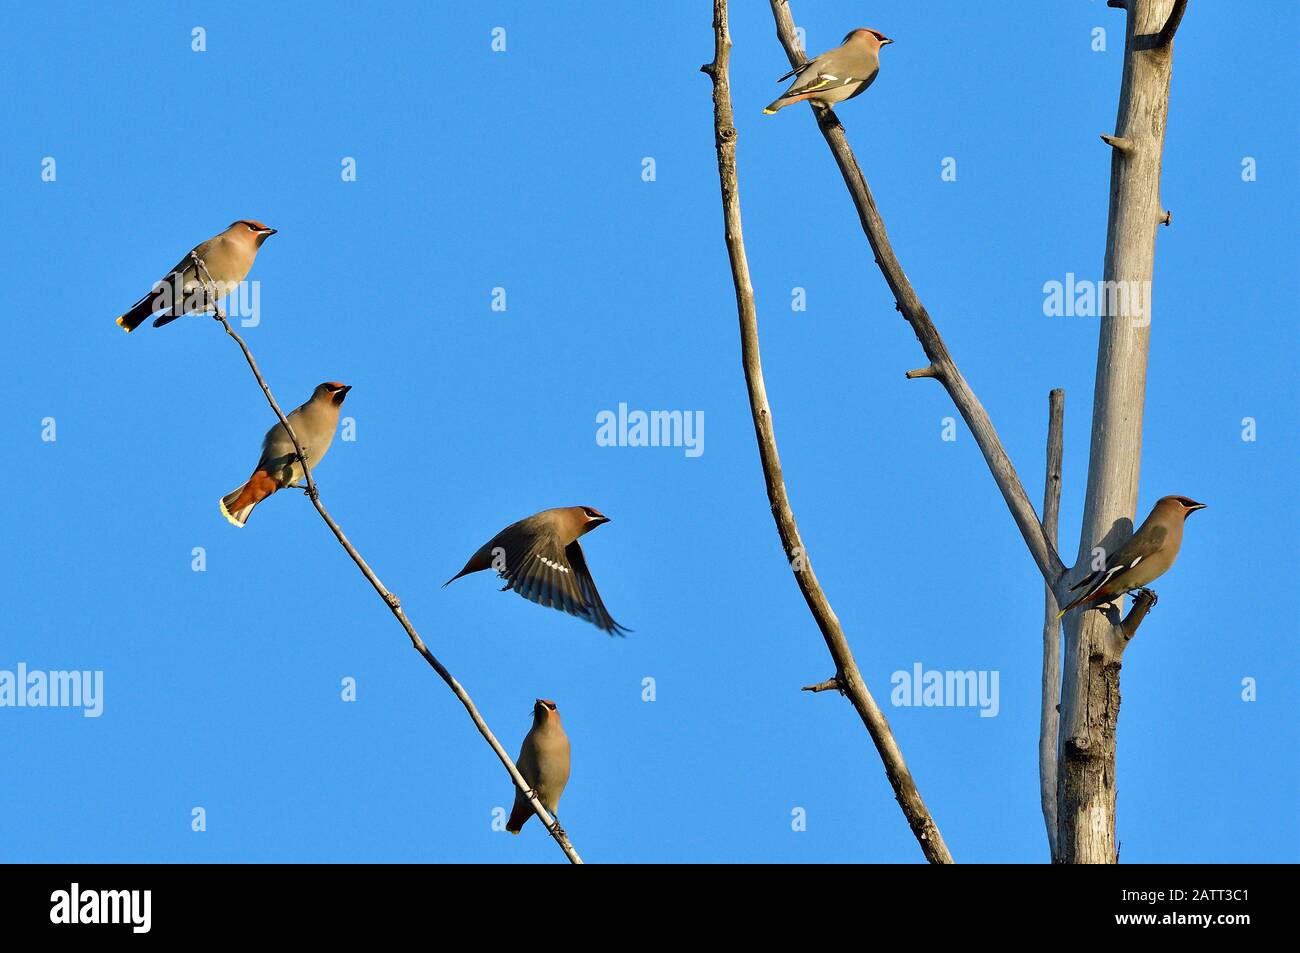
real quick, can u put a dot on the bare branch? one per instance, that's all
(1167, 32)
(1141, 606)
(968, 405)
(930, 371)
(1049, 718)
(390, 599)
(1118, 142)
(831, 684)
(909, 798)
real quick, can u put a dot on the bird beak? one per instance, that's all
(1195, 506)
(886, 41)
(601, 520)
(341, 393)
(270, 231)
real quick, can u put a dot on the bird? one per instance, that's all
(544, 762)
(228, 258)
(837, 74)
(1146, 556)
(539, 557)
(314, 424)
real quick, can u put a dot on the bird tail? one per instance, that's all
(783, 101)
(141, 312)
(234, 509)
(479, 561)
(1077, 602)
(238, 504)
(519, 816)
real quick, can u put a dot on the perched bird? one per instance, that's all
(837, 74)
(228, 258)
(541, 560)
(314, 424)
(543, 761)
(1147, 555)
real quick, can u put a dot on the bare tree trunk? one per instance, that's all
(1095, 642)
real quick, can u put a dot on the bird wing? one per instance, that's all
(540, 572)
(278, 451)
(600, 616)
(820, 79)
(796, 71)
(1147, 540)
(188, 274)
(827, 71)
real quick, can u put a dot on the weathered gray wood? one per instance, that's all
(1049, 717)
(1095, 641)
(942, 367)
(847, 676)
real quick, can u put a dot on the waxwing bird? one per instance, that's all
(543, 761)
(314, 424)
(228, 258)
(539, 557)
(837, 74)
(1145, 557)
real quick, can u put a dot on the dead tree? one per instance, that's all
(1077, 765)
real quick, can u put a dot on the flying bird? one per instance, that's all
(544, 762)
(228, 258)
(1145, 557)
(837, 74)
(314, 424)
(539, 557)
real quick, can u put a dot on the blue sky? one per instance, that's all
(522, 170)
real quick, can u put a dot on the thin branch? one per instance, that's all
(1142, 604)
(1049, 719)
(831, 684)
(909, 798)
(968, 405)
(390, 599)
(1117, 142)
(1166, 35)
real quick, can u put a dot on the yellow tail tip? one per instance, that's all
(122, 324)
(226, 513)
(769, 112)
